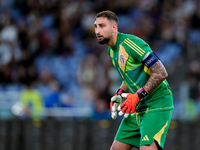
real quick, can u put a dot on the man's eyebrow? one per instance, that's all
(101, 23)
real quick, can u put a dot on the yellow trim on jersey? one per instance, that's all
(167, 87)
(111, 53)
(129, 87)
(133, 82)
(133, 47)
(136, 45)
(121, 75)
(156, 109)
(138, 119)
(146, 69)
(158, 135)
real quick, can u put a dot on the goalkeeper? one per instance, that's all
(148, 105)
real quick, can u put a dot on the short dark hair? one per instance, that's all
(108, 14)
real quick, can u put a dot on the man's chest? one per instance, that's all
(119, 58)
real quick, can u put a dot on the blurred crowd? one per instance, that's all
(50, 46)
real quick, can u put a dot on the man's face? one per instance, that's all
(103, 30)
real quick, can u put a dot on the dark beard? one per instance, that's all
(104, 41)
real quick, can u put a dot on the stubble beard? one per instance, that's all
(104, 41)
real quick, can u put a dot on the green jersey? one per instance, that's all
(127, 56)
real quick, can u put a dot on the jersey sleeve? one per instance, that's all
(138, 49)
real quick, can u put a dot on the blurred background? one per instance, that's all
(56, 81)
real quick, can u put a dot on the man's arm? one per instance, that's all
(124, 87)
(159, 74)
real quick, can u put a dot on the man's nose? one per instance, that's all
(97, 30)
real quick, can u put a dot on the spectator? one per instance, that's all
(31, 101)
(52, 99)
(101, 111)
(190, 91)
(33, 33)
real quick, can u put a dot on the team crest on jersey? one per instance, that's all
(121, 59)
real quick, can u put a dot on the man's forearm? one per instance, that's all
(159, 73)
(124, 87)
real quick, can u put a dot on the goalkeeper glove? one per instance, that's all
(116, 100)
(132, 102)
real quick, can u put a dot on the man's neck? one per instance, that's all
(113, 40)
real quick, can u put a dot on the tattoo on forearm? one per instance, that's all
(158, 75)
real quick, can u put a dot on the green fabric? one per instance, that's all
(143, 129)
(132, 64)
(127, 56)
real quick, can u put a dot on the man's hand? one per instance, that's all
(129, 105)
(132, 102)
(115, 102)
